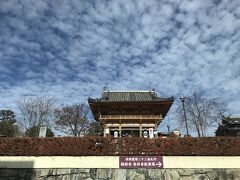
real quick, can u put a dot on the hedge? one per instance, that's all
(99, 146)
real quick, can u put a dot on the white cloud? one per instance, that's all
(72, 49)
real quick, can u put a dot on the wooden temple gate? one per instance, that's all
(129, 113)
(129, 123)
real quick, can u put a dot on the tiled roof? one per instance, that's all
(231, 120)
(131, 96)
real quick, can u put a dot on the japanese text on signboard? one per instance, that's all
(141, 162)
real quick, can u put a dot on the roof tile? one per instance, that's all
(129, 96)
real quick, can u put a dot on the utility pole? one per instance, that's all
(182, 98)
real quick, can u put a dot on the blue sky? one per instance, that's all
(72, 49)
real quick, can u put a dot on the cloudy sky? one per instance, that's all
(72, 49)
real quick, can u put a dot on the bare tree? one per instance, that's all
(95, 129)
(73, 119)
(201, 113)
(36, 111)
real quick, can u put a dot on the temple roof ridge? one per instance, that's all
(129, 91)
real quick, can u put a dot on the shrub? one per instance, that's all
(100, 146)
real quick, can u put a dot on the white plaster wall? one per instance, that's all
(188, 162)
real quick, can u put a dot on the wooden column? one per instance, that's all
(155, 129)
(140, 130)
(120, 130)
(120, 127)
(105, 126)
(140, 127)
(109, 135)
(104, 132)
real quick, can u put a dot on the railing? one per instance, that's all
(130, 117)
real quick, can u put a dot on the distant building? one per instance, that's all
(229, 127)
(130, 113)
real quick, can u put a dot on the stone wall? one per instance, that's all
(120, 174)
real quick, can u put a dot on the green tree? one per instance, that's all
(7, 115)
(34, 132)
(8, 127)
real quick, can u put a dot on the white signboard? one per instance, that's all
(43, 131)
(151, 134)
(115, 134)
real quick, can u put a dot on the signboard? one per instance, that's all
(151, 135)
(150, 162)
(115, 134)
(43, 131)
